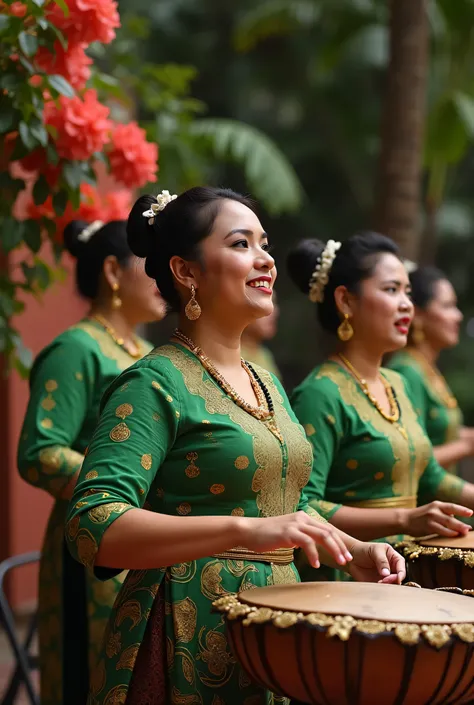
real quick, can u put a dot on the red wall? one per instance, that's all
(24, 510)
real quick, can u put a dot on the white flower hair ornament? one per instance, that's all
(320, 276)
(410, 266)
(86, 234)
(162, 201)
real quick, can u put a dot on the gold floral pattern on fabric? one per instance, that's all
(113, 645)
(178, 698)
(120, 433)
(48, 403)
(187, 664)
(102, 513)
(309, 429)
(450, 488)
(51, 385)
(156, 416)
(79, 376)
(92, 475)
(414, 453)
(47, 423)
(123, 411)
(146, 461)
(216, 654)
(238, 512)
(267, 449)
(242, 462)
(107, 345)
(128, 657)
(72, 527)
(192, 469)
(116, 696)
(217, 489)
(184, 509)
(60, 458)
(86, 547)
(185, 620)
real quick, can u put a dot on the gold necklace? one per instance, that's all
(394, 415)
(437, 380)
(264, 411)
(137, 354)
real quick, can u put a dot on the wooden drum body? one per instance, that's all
(441, 562)
(355, 643)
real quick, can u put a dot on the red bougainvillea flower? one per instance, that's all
(72, 63)
(37, 161)
(88, 20)
(133, 160)
(82, 125)
(117, 205)
(17, 9)
(90, 209)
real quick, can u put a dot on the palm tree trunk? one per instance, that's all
(398, 204)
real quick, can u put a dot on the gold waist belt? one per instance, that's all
(385, 503)
(281, 556)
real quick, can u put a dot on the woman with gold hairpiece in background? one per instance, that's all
(372, 458)
(435, 328)
(67, 382)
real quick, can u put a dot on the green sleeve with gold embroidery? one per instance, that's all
(138, 426)
(316, 408)
(438, 483)
(61, 384)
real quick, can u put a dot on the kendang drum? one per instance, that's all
(441, 562)
(354, 643)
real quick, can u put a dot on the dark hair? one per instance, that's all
(423, 281)
(176, 231)
(354, 262)
(110, 239)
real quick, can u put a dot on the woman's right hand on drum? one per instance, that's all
(436, 518)
(298, 530)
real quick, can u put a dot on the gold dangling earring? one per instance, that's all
(192, 310)
(345, 330)
(417, 334)
(116, 300)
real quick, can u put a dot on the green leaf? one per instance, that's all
(26, 136)
(63, 7)
(73, 174)
(23, 359)
(60, 200)
(7, 118)
(11, 234)
(44, 24)
(4, 22)
(7, 305)
(59, 84)
(32, 235)
(41, 191)
(43, 274)
(52, 155)
(28, 43)
(40, 133)
(27, 65)
(267, 170)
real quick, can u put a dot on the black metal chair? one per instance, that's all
(25, 662)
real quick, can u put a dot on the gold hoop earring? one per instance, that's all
(192, 310)
(345, 330)
(116, 300)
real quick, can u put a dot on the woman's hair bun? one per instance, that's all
(140, 233)
(72, 231)
(301, 262)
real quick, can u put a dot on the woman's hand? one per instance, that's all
(436, 518)
(376, 563)
(294, 531)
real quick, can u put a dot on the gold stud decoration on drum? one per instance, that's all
(441, 562)
(354, 643)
